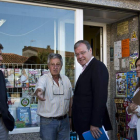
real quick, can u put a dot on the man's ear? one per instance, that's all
(61, 67)
(90, 50)
(48, 66)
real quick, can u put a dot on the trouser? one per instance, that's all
(138, 129)
(53, 129)
(135, 134)
(3, 131)
(81, 137)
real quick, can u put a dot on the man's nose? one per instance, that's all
(55, 66)
(80, 55)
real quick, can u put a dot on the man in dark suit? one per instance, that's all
(90, 96)
(6, 119)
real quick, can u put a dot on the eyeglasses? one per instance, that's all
(81, 53)
(55, 90)
(55, 65)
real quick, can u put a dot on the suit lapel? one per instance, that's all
(77, 81)
(88, 67)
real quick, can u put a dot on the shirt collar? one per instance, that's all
(88, 62)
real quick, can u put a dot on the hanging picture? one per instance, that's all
(131, 83)
(121, 85)
(117, 49)
(132, 60)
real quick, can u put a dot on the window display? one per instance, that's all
(22, 105)
(33, 32)
(21, 78)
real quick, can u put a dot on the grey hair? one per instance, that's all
(76, 45)
(53, 56)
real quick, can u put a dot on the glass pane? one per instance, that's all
(29, 33)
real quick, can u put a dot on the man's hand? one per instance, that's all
(39, 94)
(133, 107)
(95, 131)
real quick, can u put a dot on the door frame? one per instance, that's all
(103, 25)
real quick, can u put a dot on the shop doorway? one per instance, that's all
(94, 35)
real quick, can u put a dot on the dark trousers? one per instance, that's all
(81, 137)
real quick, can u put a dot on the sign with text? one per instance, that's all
(125, 48)
(122, 28)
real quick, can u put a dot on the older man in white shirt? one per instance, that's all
(54, 92)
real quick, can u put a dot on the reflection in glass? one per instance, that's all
(37, 31)
(29, 33)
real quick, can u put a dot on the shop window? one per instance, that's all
(29, 34)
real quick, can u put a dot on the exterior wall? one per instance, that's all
(110, 100)
(134, 45)
(126, 4)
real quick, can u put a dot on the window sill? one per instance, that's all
(25, 130)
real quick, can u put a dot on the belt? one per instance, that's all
(59, 118)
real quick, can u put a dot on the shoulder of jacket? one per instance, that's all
(96, 62)
(1, 72)
(99, 62)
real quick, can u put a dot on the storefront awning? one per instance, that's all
(93, 12)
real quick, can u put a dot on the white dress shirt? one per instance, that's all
(55, 105)
(84, 67)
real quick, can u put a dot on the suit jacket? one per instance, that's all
(90, 97)
(6, 116)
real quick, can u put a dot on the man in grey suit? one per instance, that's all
(90, 96)
(6, 119)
